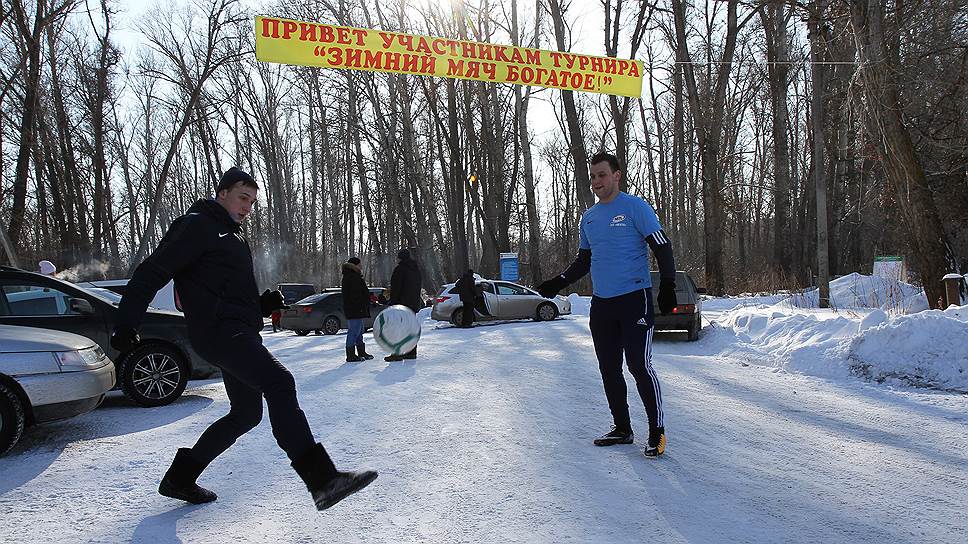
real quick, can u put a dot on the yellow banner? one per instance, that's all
(312, 44)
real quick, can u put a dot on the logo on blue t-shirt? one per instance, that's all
(620, 256)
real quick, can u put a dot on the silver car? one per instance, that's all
(498, 299)
(47, 375)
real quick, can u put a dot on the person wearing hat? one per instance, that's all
(466, 288)
(46, 268)
(207, 255)
(405, 289)
(356, 307)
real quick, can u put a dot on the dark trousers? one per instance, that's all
(467, 315)
(623, 325)
(250, 373)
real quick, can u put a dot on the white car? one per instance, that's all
(498, 299)
(47, 375)
(165, 299)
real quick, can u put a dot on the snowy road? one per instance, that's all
(487, 438)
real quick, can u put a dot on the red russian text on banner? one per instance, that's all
(313, 44)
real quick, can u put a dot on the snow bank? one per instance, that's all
(926, 349)
(862, 291)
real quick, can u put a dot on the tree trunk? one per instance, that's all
(919, 214)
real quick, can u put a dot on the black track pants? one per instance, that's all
(623, 324)
(250, 373)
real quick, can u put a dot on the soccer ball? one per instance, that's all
(396, 329)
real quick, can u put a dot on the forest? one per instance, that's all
(781, 143)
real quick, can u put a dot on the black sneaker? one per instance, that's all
(615, 436)
(657, 443)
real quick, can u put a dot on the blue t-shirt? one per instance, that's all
(615, 232)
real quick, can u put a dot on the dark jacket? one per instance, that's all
(356, 296)
(211, 263)
(465, 288)
(405, 285)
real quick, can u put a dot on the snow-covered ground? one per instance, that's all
(785, 424)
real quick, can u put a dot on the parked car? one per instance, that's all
(499, 300)
(687, 315)
(294, 292)
(153, 373)
(165, 299)
(323, 312)
(47, 375)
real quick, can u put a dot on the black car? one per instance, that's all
(294, 292)
(687, 315)
(154, 373)
(324, 312)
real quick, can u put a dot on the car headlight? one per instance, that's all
(82, 359)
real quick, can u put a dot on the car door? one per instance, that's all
(514, 301)
(31, 303)
(486, 302)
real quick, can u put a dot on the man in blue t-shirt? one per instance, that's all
(614, 241)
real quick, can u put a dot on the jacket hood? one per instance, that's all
(408, 263)
(350, 267)
(212, 209)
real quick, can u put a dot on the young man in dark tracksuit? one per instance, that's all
(356, 308)
(615, 237)
(211, 263)
(467, 290)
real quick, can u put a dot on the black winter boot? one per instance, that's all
(361, 352)
(412, 354)
(179, 481)
(327, 485)
(351, 356)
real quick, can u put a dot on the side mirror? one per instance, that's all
(701, 290)
(81, 306)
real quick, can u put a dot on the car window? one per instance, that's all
(487, 287)
(25, 300)
(508, 289)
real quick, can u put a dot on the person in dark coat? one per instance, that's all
(356, 307)
(207, 255)
(405, 289)
(468, 292)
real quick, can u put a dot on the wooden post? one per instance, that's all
(817, 153)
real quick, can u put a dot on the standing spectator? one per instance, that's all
(356, 307)
(46, 268)
(467, 291)
(276, 320)
(405, 289)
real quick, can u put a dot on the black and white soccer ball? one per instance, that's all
(396, 329)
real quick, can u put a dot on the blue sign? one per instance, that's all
(509, 266)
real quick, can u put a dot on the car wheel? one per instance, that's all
(11, 419)
(546, 312)
(331, 325)
(301, 332)
(456, 318)
(694, 329)
(154, 375)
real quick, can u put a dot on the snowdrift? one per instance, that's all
(927, 349)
